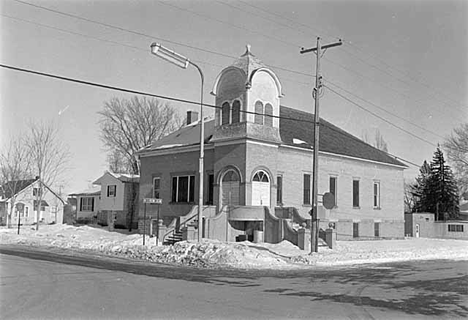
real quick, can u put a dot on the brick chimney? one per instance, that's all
(192, 116)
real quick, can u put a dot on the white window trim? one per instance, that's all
(88, 206)
(374, 183)
(336, 188)
(190, 177)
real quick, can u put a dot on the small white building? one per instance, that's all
(119, 194)
(25, 196)
(87, 203)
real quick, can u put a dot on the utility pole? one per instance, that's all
(316, 95)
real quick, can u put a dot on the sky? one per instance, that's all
(402, 68)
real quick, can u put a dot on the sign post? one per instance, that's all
(150, 201)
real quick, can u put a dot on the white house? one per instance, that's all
(87, 203)
(118, 194)
(25, 194)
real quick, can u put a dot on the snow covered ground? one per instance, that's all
(211, 253)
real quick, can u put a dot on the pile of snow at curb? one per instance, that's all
(213, 253)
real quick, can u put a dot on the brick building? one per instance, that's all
(258, 162)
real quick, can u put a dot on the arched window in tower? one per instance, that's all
(258, 112)
(269, 115)
(235, 118)
(261, 176)
(225, 110)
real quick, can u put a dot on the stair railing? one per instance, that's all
(177, 228)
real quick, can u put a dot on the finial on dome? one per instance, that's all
(247, 47)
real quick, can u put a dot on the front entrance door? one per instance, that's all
(230, 188)
(261, 189)
(417, 231)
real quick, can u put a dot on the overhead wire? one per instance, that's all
(114, 88)
(123, 29)
(379, 117)
(431, 89)
(383, 109)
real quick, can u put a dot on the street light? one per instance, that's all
(183, 62)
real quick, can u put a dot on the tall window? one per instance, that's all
(279, 189)
(376, 194)
(258, 112)
(356, 193)
(355, 229)
(183, 189)
(87, 204)
(235, 111)
(306, 194)
(333, 188)
(268, 115)
(225, 110)
(210, 189)
(37, 192)
(156, 187)
(111, 190)
(376, 229)
(26, 212)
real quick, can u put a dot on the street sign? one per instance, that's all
(152, 200)
(328, 200)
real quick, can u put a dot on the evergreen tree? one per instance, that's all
(435, 189)
(419, 190)
(443, 191)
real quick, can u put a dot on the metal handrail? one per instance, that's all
(173, 230)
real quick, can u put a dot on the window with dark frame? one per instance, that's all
(37, 192)
(225, 113)
(183, 189)
(376, 194)
(269, 115)
(306, 189)
(210, 189)
(235, 111)
(87, 204)
(156, 188)
(355, 229)
(376, 229)
(356, 193)
(279, 190)
(258, 112)
(111, 190)
(333, 188)
(456, 228)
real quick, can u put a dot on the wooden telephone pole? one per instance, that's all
(316, 94)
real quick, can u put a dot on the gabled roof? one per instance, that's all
(124, 177)
(23, 184)
(293, 133)
(13, 187)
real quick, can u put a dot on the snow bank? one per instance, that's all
(212, 253)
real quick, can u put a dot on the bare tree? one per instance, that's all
(457, 152)
(14, 170)
(409, 197)
(129, 125)
(49, 158)
(378, 142)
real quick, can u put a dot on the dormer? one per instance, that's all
(248, 100)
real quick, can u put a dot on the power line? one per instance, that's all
(383, 109)
(381, 118)
(114, 88)
(124, 29)
(351, 54)
(229, 24)
(151, 36)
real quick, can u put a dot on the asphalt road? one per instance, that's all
(56, 284)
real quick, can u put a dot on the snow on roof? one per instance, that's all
(94, 190)
(298, 141)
